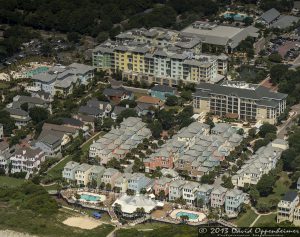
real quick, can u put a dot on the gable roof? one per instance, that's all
(290, 196)
(150, 100)
(270, 15)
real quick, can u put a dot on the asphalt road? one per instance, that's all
(283, 129)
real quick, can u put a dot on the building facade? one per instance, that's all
(245, 101)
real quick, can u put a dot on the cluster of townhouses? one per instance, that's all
(236, 99)
(119, 141)
(264, 160)
(195, 150)
(159, 55)
(61, 79)
(173, 189)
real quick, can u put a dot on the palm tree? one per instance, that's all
(118, 209)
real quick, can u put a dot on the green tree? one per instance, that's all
(267, 128)
(126, 114)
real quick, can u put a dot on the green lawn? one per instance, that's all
(29, 222)
(56, 170)
(165, 230)
(4, 85)
(51, 187)
(10, 182)
(263, 220)
(245, 219)
(281, 187)
(153, 225)
(86, 146)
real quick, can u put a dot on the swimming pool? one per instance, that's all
(90, 198)
(235, 16)
(36, 71)
(191, 216)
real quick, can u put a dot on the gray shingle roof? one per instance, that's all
(270, 15)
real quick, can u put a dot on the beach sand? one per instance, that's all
(82, 222)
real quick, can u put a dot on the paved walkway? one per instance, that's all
(259, 215)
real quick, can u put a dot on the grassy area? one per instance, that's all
(4, 85)
(58, 168)
(281, 187)
(167, 230)
(51, 187)
(246, 219)
(29, 222)
(86, 146)
(153, 225)
(263, 220)
(10, 182)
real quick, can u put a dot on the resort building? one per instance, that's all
(250, 102)
(220, 38)
(61, 79)
(234, 199)
(159, 56)
(27, 160)
(68, 172)
(130, 205)
(82, 172)
(286, 207)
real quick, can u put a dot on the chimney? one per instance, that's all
(24, 152)
(127, 106)
(101, 106)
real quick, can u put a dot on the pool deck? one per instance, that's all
(201, 216)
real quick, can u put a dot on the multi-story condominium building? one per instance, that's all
(4, 156)
(217, 197)
(68, 172)
(138, 181)
(142, 58)
(60, 79)
(260, 163)
(175, 189)
(110, 176)
(189, 192)
(82, 172)
(245, 101)
(234, 199)
(162, 185)
(286, 207)
(27, 160)
(204, 193)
